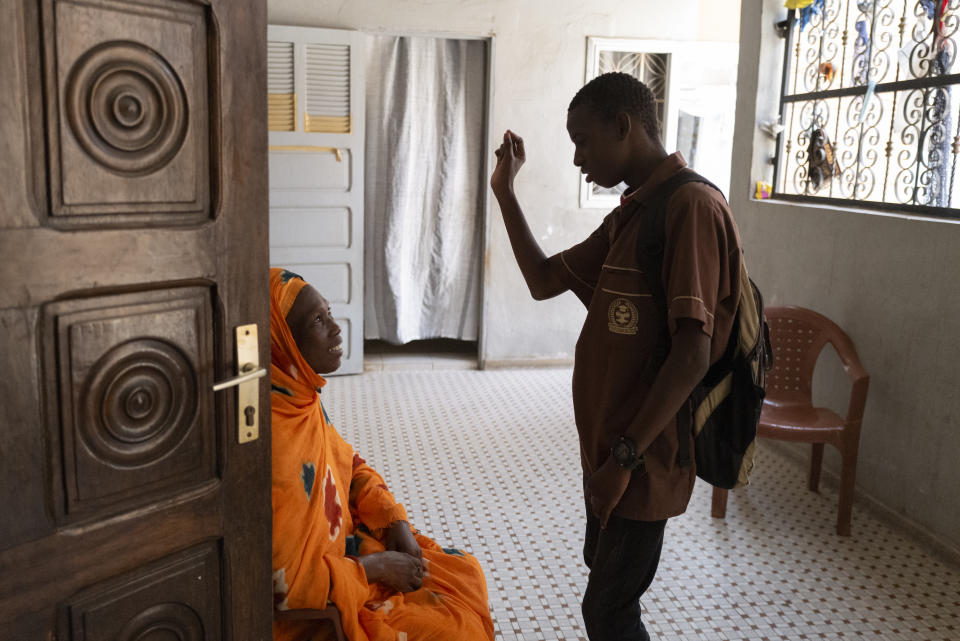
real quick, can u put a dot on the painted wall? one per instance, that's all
(889, 281)
(539, 62)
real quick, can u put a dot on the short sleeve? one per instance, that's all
(579, 266)
(695, 259)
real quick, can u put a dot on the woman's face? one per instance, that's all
(315, 332)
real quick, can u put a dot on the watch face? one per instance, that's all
(621, 452)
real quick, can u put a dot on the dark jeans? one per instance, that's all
(623, 559)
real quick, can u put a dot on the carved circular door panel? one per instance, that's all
(127, 107)
(141, 399)
(134, 411)
(129, 113)
(164, 622)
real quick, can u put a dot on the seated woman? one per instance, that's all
(338, 534)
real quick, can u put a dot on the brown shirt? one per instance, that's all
(612, 376)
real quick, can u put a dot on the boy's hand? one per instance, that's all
(510, 157)
(605, 489)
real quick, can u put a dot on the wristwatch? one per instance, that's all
(624, 453)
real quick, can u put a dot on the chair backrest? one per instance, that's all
(797, 336)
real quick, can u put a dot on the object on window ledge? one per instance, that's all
(807, 9)
(764, 190)
(866, 101)
(822, 163)
(931, 8)
(860, 48)
(783, 27)
(827, 71)
(771, 127)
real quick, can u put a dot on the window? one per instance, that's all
(647, 61)
(694, 84)
(867, 106)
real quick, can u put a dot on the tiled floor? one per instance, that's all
(416, 362)
(379, 356)
(487, 460)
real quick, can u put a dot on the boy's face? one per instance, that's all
(600, 145)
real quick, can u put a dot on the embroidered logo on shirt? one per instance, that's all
(622, 316)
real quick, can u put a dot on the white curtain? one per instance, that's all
(424, 128)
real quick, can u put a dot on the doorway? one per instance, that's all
(425, 195)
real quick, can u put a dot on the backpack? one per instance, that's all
(724, 408)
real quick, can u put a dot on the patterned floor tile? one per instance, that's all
(488, 461)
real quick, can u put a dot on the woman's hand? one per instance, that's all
(399, 538)
(510, 157)
(396, 570)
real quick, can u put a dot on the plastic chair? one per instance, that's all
(327, 621)
(798, 336)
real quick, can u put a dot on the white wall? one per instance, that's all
(539, 61)
(890, 281)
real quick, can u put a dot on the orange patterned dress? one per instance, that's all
(330, 507)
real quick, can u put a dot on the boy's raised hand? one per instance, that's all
(510, 157)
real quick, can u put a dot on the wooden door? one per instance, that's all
(133, 243)
(316, 169)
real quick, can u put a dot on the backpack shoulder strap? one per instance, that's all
(652, 236)
(650, 252)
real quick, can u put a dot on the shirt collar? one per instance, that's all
(663, 172)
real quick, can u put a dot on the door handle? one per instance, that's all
(247, 383)
(238, 380)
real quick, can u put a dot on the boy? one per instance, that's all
(635, 364)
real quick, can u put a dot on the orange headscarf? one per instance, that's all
(288, 369)
(308, 548)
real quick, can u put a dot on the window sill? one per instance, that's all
(834, 207)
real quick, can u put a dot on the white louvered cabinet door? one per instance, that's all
(316, 115)
(327, 68)
(282, 98)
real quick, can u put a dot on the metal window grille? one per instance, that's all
(868, 108)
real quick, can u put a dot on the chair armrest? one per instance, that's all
(848, 354)
(307, 614)
(858, 398)
(856, 373)
(330, 613)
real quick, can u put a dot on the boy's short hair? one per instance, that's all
(611, 93)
